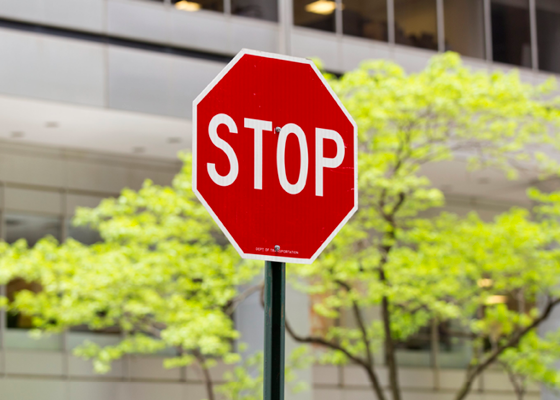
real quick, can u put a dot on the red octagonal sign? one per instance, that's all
(274, 157)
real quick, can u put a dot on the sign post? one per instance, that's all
(275, 164)
(274, 325)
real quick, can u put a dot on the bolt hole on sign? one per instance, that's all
(274, 157)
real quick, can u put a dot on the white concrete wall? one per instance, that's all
(53, 181)
(79, 173)
(351, 383)
(40, 375)
(86, 15)
(97, 75)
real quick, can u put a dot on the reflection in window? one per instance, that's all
(316, 14)
(365, 18)
(420, 341)
(416, 23)
(415, 351)
(511, 32)
(31, 227)
(83, 234)
(464, 27)
(195, 5)
(108, 330)
(17, 320)
(454, 345)
(261, 9)
(548, 34)
(453, 351)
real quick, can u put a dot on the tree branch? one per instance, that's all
(519, 387)
(335, 346)
(511, 343)
(361, 324)
(325, 343)
(205, 375)
(233, 303)
(389, 343)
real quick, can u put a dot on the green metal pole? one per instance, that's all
(274, 306)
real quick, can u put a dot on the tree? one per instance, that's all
(163, 274)
(418, 270)
(178, 270)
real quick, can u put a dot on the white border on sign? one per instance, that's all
(194, 150)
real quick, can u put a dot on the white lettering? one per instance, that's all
(281, 159)
(259, 126)
(228, 179)
(320, 160)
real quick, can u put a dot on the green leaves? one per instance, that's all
(166, 277)
(163, 275)
(397, 252)
(535, 359)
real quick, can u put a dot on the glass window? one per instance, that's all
(511, 32)
(261, 9)
(16, 320)
(453, 350)
(365, 18)
(464, 27)
(195, 5)
(548, 34)
(83, 234)
(415, 351)
(416, 23)
(455, 346)
(31, 227)
(316, 14)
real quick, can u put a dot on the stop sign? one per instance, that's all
(274, 157)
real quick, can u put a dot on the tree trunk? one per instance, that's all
(375, 383)
(390, 351)
(206, 377)
(389, 344)
(518, 385)
(465, 389)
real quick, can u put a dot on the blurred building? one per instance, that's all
(95, 96)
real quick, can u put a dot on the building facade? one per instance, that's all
(95, 96)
